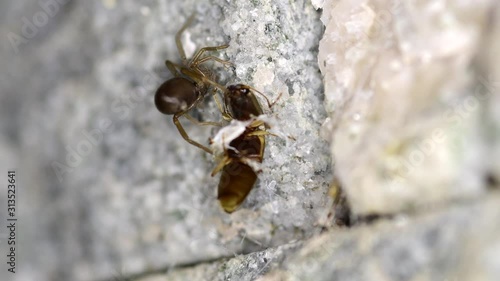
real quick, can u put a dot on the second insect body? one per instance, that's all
(240, 146)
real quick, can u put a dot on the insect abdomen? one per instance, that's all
(236, 181)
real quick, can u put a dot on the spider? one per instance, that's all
(189, 86)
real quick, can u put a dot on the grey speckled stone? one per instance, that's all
(130, 195)
(457, 243)
(242, 268)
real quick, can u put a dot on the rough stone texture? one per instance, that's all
(457, 243)
(130, 194)
(404, 81)
(412, 111)
(489, 71)
(242, 268)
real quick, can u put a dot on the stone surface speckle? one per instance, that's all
(405, 92)
(406, 122)
(109, 184)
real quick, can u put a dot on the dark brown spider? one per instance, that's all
(189, 86)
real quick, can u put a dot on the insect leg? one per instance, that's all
(204, 123)
(173, 68)
(178, 41)
(225, 161)
(203, 50)
(209, 58)
(185, 135)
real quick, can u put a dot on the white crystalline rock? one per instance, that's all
(317, 4)
(398, 90)
(264, 75)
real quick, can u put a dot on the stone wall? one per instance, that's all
(393, 103)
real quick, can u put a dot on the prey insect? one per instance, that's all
(241, 145)
(190, 85)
